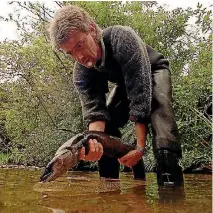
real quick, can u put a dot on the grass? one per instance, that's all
(3, 158)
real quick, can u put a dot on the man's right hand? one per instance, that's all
(95, 151)
(95, 148)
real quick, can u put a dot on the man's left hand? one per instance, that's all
(131, 158)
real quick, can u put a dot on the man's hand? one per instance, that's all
(131, 158)
(95, 151)
(95, 148)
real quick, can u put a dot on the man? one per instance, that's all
(142, 90)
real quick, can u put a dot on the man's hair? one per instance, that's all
(70, 18)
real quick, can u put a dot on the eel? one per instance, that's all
(67, 156)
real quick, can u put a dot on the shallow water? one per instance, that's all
(84, 192)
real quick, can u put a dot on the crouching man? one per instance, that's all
(142, 91)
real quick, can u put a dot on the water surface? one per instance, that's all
(84, 192)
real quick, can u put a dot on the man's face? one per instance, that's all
(83, 47)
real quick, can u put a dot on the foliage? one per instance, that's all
(39, 105)
(4, 158)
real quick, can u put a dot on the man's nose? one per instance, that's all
(80, 56)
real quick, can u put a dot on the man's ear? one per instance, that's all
(93, 30)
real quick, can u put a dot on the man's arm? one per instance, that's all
(97, 126)
(131, 54)
(141, 132)
(92, 87)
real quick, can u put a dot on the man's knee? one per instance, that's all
(162, 86)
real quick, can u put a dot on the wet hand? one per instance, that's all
(95, 151)
(131, 158)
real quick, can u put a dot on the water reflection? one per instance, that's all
(171, 194)
(125, 195)
(108, 185)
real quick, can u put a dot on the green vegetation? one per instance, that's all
(4, 158)
(39, 107)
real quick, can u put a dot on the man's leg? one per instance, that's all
(166, 140)
(118, 107)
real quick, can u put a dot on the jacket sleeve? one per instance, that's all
(91, 86)
(131, 54)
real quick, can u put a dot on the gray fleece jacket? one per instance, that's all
(129, 63)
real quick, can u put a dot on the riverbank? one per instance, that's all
(12, 166)
(193, 169)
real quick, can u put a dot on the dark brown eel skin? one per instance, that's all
(67, 156)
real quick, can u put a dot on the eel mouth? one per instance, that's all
(60, 164)
(47, 173)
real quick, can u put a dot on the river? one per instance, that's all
(80, 192)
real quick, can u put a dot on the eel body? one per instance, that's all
(67, 156)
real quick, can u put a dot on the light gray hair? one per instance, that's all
(67, 19)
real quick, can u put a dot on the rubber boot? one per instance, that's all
(168, 170)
